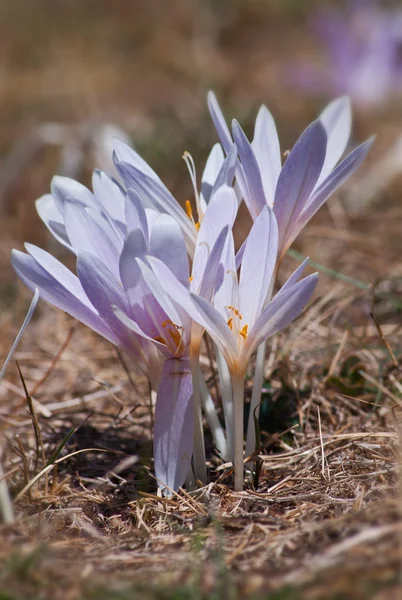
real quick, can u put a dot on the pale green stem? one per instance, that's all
(258, 382)
(209, 409)
(227, 401)
(6, 508)
(199, 459)
(238, 405)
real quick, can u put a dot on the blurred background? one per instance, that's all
(73, 74)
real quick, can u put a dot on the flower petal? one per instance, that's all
(174, 424)
(221, 213)
(124, 153)
(64, 187)
(280, 312)
(337, 120)
(226, 173)
(167, 243)
(59, 287)
(110, 195)
(298, 178)
(253, 191)
(88, 232)
(219, 122)
(218, 329)
(135, 215)
(267, 152)
(212, 168)
(258, 266)
(103, 291)
(338, 176)
(48, 211)
(154, 194)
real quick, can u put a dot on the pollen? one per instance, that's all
(189, 210)
(197, 226)
(236, 311)
(244, 331)
(191, 278)
(230, 322)
(160, 339)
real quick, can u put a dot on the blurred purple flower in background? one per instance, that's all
(364, 49)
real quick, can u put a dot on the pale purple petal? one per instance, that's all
(174, 289)
(298, 178)
(135, 215)
(227, 294)
(124, 153)
(337, 120)
(258, 266)
(167, 243)
(219, 122)
(49, 213)
(226, 173)
(88, 233)
(103, 290)
(294, 278)
(155, 195)
(110, 195)
(221, 213)
(210, 280)
(172, 310)
(133, 326)
(217, 328)
(253, 192)
(174, 425)
(338, 176)
(280, 312)
(212, 168)
(64, 187)
(267, 152)
(135, 246)
(59, 287)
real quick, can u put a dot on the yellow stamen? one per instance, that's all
(244, 332)
(191, 278)
(197, 226)
(189, 210)
(230, 322)
(160, 339)
(236, 312)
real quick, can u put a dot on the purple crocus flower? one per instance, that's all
(239, 319)
(311, 172)
(364, 54)
(112, 234)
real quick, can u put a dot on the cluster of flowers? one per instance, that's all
(153, 277)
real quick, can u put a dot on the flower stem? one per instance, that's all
(258, 380)
(238, 437)
(227, 401)
(209, 409)
(255, 398)
(199, 459)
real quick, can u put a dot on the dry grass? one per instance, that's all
(324, 507)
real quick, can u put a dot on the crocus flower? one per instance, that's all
(238, 319)
(363, 47)
(139, 176)
(311, 172)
